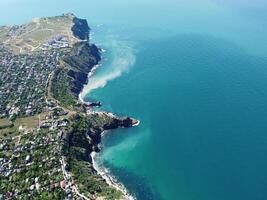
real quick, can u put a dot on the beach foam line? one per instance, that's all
(110, 179)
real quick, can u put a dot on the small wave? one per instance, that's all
(123, 58)
(111, 180)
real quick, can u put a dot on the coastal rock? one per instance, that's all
(128, 122)
(120, 122)
(80, 62)
(86, 134)
(80, 28)
(107, 121)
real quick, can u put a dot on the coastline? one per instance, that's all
(90, 74)
(110, 180)
(102, 171)
(62, 114)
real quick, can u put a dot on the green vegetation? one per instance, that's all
(5, 123)
(56, 193)
(41, 168)
(45, 135)
(9, 131)
(89, 182)
(60, 89)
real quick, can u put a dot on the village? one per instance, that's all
(24, 77)
(47, 134)
(32, 163)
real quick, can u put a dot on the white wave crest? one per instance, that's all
(123, 58)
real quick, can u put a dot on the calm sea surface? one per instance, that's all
(195, 73)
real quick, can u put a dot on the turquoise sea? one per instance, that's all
(194, 72)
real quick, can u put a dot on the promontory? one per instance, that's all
(46, 133)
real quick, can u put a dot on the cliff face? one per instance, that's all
(86, 129)
(69, 79)
(80, 28)
(81, 60)
(81, 142)
(101, 121)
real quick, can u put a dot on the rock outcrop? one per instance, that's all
(80, 28)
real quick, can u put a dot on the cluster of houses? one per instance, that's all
(36, 149)
(55, 119)
(16, 30)
(23, 81)
(57, 42)
(23, 84)
(54, 123)
(21, 154)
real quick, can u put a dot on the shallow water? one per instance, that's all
(195, 74)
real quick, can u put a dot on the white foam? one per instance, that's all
(91, 73)
(137, 123)
(123, 59)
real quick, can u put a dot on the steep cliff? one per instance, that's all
(82, 58)
(69, 79)
(80, 28)
(81, 142)
(86, 129)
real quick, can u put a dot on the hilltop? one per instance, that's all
(41, 32)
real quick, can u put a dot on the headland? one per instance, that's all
(47, 134)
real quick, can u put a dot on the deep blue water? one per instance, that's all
(195, 74)
(203, 119)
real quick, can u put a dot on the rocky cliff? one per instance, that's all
(82, 58)
(80, 28)
(86, 129)
(79, 143)
(68, 81)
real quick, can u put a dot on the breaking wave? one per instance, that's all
(121, 59)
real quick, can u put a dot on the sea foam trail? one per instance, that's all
(123, 58)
